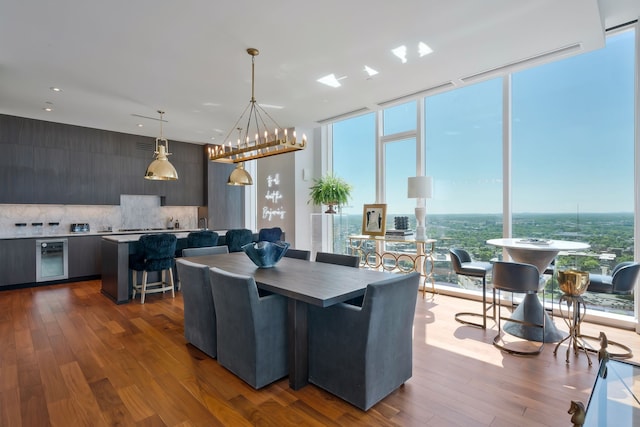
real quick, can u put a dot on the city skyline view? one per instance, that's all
(572, 141)
(567, 168)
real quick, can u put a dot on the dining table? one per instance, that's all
(539, 253)
(303, 283)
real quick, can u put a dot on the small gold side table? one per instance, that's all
(575, 312)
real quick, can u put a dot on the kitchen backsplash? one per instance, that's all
(134, 212)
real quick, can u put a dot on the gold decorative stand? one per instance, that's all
(576, 309)
(375, 254)
(573, 284)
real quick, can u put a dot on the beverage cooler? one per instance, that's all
(52, 260)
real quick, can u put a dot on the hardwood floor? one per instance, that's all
(70, 357)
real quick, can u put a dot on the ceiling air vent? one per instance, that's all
(527, 61)
(343, 116)
(420, 93)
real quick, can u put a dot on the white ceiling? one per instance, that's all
(113, 59)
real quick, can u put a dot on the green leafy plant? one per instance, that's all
(330, 190)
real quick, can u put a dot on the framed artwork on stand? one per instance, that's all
(374, 218)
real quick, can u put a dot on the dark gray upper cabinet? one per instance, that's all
(225, 203)
(53, 163)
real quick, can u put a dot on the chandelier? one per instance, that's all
(160, 168)
(256, 141)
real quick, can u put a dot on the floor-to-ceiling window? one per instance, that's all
(573, 150)
(463, 137)
(354, 148)
(399, 124)
(572, 161)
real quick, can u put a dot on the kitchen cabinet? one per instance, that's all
(55, 163)
(225, 203)
(17, 261)
(85, 256)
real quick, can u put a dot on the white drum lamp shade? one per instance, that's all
(421, 188)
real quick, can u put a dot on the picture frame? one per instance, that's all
(374, 218)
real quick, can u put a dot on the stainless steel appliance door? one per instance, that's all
(52, 260)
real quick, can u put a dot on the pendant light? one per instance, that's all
(257, 141)
(160, 168)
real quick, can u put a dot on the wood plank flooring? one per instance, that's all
(70, 357)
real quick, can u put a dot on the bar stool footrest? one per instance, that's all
(484, 317)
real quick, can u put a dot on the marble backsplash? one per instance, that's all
(133, 212)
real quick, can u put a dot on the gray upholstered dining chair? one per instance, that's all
(298, 254)
(201, 251)
(516, 277)
(463, 265)
(199, 310)
(338, 259)
(251, 330)
(205, 250)
(362, 354)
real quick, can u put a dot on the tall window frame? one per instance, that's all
(382, 140)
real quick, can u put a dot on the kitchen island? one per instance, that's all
(116, 277)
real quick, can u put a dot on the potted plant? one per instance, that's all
(330, 190)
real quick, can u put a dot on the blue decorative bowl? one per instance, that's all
(265, 254)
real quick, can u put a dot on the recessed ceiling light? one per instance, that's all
(370, 71)
(48, 109)
(400, 52)
(210, 104)
(55, 89)
(140, 125)
(330, 80)
(424, 49)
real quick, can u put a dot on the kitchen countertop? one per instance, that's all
(130, 234)
(134, 237)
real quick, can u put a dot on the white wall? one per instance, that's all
(307, 167)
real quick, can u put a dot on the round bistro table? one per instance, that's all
(540, 253)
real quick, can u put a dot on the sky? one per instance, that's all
(572, 141)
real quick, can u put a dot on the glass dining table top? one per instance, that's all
(615, 396)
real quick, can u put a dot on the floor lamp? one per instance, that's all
(420, 187)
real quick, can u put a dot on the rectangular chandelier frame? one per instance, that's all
(227, 154)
